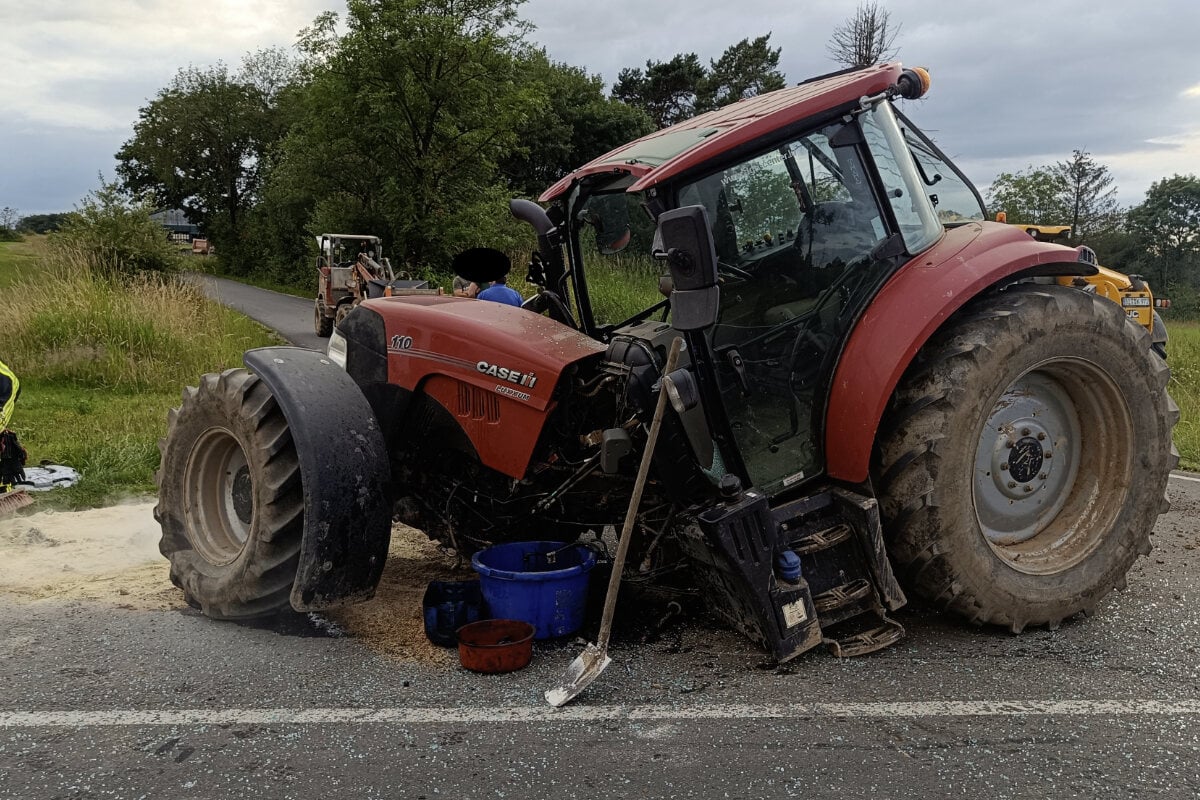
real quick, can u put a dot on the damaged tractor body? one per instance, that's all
(879, 388)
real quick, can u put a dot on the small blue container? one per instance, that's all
(447, 606)
(518, 582)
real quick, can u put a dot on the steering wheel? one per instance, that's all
(737, 272)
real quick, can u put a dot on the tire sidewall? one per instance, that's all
(201, 579)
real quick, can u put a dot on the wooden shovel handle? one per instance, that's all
(635, 500)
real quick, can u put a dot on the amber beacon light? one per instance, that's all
(913, 83)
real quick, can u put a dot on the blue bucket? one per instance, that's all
(519, 583)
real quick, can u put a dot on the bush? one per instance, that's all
(101, 359)
(111, 236)
(1185, 302)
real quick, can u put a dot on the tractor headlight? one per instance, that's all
(337, 348)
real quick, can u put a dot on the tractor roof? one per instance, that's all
(663, 154)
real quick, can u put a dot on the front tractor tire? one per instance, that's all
(322, 324)
(1024, 458)
(229, 498)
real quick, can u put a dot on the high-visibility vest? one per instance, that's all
(10, 387)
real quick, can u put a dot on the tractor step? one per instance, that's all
(821, 540)
(864, 634)
(842, 596)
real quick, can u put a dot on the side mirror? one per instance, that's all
(691, 255)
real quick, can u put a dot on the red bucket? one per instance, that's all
(495, 645)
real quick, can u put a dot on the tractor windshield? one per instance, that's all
(795, 228)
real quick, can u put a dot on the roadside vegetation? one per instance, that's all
(1183, 353)
(103, 348)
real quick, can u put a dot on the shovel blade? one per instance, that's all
(580, 673)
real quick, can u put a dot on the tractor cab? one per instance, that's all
(806, 224)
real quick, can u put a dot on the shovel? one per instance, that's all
(588, 665)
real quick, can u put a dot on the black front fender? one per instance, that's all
(344, 473)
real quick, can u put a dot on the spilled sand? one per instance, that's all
(110, 556)
(107, 555)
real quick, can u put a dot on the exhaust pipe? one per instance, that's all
(547, 238)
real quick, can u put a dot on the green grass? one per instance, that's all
(19, 258)
(621, 286)
(101, 361)
(1183, 354)
(109, 436)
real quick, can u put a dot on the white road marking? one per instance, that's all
(1179, 477)
(539, 714)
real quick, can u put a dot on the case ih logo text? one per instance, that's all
(506, 374)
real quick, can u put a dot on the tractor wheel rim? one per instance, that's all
(219, 508)
(1045, 491)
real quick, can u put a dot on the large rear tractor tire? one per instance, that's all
(229, 498)
(1024, 457)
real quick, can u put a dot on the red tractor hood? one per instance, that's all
(492, 366)
(487, 343)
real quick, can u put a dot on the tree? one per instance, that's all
(8, 224)
(115, 236)
(1030, 196)
(575, 123)
(41, 223)
(866, 38)
(1088, 194)
(1167, 225)
(200, 145)
(745, 69)
(1078, 191)
(671, 91)
(666, 90)
(406, 115)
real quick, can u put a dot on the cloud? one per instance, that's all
(91, 65)
(1014, 84)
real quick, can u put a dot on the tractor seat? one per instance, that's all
(776, 315)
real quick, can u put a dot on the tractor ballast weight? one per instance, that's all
(879, 388)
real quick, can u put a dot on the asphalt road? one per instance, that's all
(97, 700)
(100, 701)
(291, 317)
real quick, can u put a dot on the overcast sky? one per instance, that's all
(1014, 83)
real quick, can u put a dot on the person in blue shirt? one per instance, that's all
(499, 292)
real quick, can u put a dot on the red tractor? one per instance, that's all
(345, 279)
(876, 381)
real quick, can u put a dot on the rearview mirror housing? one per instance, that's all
(691, 255)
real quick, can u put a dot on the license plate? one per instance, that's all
(1135, 301)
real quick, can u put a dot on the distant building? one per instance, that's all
(179, 229)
